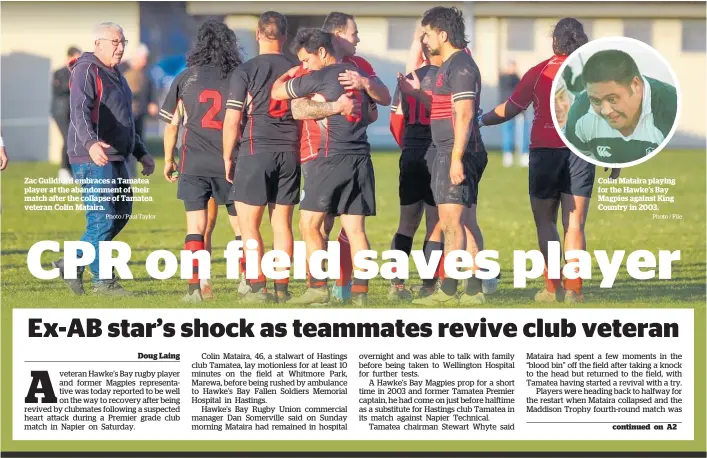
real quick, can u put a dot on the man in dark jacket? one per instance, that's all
(60, 108)
(101, 138)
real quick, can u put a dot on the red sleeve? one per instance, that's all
(363, 64)
(397, 126)
(523, 94)
(301, 72)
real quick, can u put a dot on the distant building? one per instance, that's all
(34, 37)
(500, 31)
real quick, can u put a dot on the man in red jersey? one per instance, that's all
(556, 175)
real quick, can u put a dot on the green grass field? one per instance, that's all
(504, 215)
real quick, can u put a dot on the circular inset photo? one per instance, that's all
(616, 102)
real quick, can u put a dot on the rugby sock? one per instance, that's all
(282, 285)
(449, 286)
(257, 285)
(428, 248)
(473, 286)
(241, 261)
(551, 285)
(573, 285)
(440, 269)
(402, 243)
(193, 243)
(315, 282)
(359, 287)
(346, 268)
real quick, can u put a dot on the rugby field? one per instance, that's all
(504, 215)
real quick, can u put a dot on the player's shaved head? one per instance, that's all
(73, 51)
(273, 25)
(610, 65)
(336, 22)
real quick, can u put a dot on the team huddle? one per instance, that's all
(254, 130)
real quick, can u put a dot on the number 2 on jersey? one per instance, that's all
(208, 121)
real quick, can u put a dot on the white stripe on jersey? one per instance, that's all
(290, 91)
(465, 94)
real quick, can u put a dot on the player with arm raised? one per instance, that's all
(341, 181)
(198, 98)
(410, 125)
(461, 156)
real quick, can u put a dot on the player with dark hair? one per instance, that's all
(623, 116)
(556, 176)
(461, 156)
(344, 32)
(313, 47)
(197, 96)
(410, 125)
(267, 172)
(268, 167)
(341, 181)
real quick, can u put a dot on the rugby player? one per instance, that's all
(197, 96)
(310, 46)
(344, 32)
(211, 218)
(556, 176)
(267, 172)
(341, 180)
(268, 169)
(622, 116)
(410, 125)
(461, 156)
(418, 57)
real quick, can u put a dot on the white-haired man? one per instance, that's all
(101, 138)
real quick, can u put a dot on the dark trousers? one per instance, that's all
(131, 162)
(63, 123)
